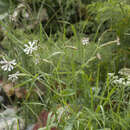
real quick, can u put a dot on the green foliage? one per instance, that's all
(107, 13)
(110, 11)
(62, 70)
(4, 6)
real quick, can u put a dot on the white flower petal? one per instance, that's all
(2, 62)
(26, 45)
(13, 62)
(8, 65)
(30, 47)
(30, 43)
(13, 77)
(4, 67)
(85, 41)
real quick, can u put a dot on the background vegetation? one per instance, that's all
(63, 74)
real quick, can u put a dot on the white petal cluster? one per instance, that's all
(13, 77)
(30, 47)
(119, 81)
(7, 65)
(85, 41)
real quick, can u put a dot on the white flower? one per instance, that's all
(7, 65)
(119, 81)
(85, 41)
(13, 17)
(128, 83)
(31, 47)
(13, 77)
